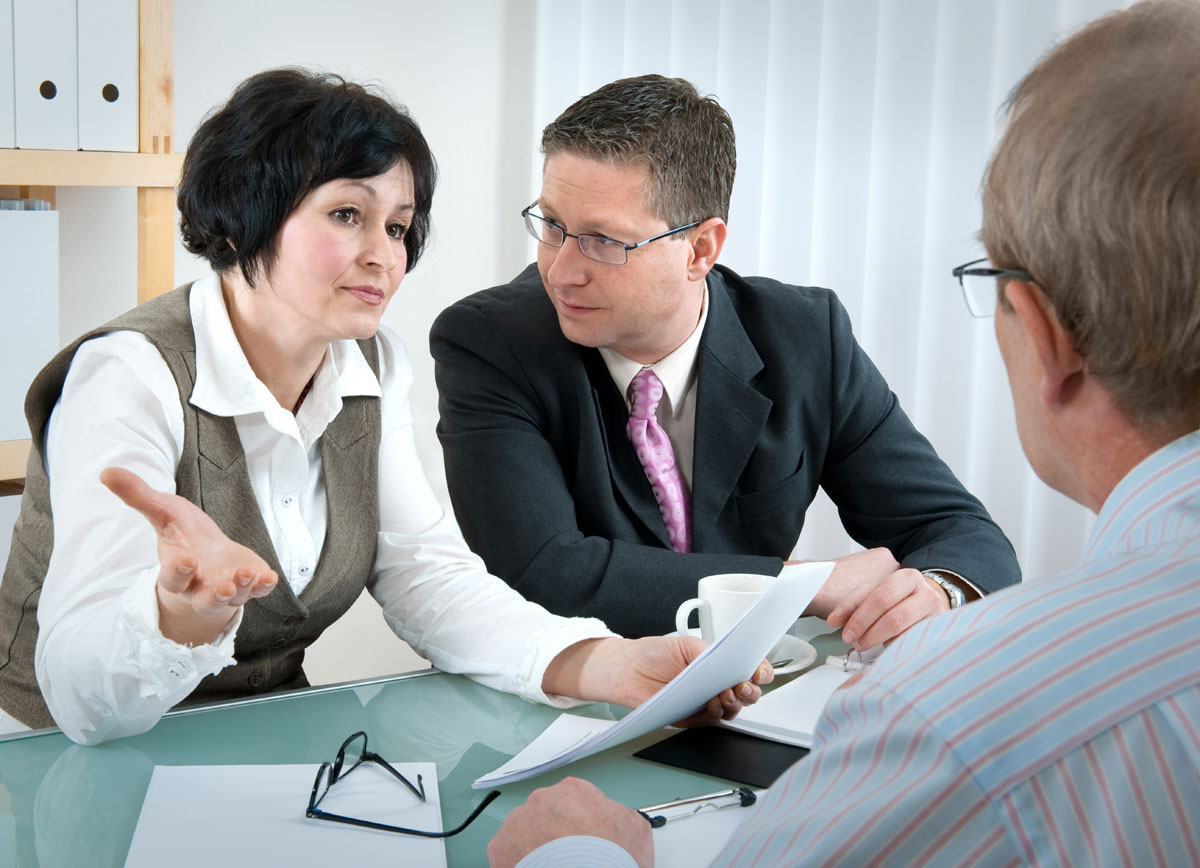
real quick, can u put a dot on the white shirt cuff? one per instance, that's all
(161, 664)
(576, 850)
(546, 644)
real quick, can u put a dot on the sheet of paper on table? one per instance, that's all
(730, 659)
(205, 816)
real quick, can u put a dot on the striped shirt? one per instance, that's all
(1055, 723)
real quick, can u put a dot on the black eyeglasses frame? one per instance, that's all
(968, 269)
(336, 772)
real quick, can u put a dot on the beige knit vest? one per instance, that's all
(275, 629)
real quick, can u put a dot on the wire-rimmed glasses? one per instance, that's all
(599, 248)
(350, 756)
(979, 285)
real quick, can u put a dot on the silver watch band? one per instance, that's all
(953, 591)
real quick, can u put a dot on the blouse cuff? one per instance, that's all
(161, 664)
(546, 644)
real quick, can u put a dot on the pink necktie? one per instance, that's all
(658, 459)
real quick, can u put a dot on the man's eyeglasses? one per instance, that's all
(350, 756)
(597, 247)
(979, 284)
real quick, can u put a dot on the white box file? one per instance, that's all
(7, 109)
(108, 74)
(44, 74)
(28, 309)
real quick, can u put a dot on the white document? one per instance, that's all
(44, 74)
(29, 305)
(7, 111)
(108, 75)
(730, 659)
(206, 816)
(789, 713)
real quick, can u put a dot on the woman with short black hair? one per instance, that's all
(258, 419)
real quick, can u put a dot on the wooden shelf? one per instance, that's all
(23, 167)
(13, 456)
(154, 171)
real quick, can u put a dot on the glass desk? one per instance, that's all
(64, 806)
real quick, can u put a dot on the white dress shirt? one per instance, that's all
(103, 667)
(676, 411)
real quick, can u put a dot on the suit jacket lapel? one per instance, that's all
(629, 479)
(730, 413)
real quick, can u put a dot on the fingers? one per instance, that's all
(207, 594)
(725, 705)
(176, 577)
(853, 578)
(135, 493)
(896, 604)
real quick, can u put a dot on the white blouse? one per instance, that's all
(102, 665)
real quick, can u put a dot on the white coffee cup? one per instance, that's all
(720, 600)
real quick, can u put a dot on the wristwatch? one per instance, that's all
(953, 591)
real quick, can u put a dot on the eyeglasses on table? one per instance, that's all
(350, 756)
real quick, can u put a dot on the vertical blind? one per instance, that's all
(863, 128)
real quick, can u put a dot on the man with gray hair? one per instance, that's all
(1057, 722)
(628, 416)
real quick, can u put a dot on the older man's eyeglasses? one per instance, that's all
(350, 756)
(600, 248)
(978, 281)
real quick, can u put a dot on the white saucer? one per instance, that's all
(795, 651)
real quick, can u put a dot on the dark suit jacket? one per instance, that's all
(550, 493)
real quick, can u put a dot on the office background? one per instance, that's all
(863, 128)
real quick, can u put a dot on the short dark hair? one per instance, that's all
(282, 134)
(1094, 189)
(684, 139)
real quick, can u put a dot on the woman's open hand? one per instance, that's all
(204, 577)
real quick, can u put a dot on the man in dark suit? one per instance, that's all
(756, 394)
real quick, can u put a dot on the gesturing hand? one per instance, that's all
(204, 577)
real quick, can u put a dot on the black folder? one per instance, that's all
(724, 753)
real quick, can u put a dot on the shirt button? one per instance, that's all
(288, 501)
(304, 571)
(257, 678)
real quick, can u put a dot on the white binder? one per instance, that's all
(28, 309)
(44, 74)
(108, 74)
(7, 112)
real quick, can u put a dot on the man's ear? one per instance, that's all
(1062, 368)
(706, 241)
